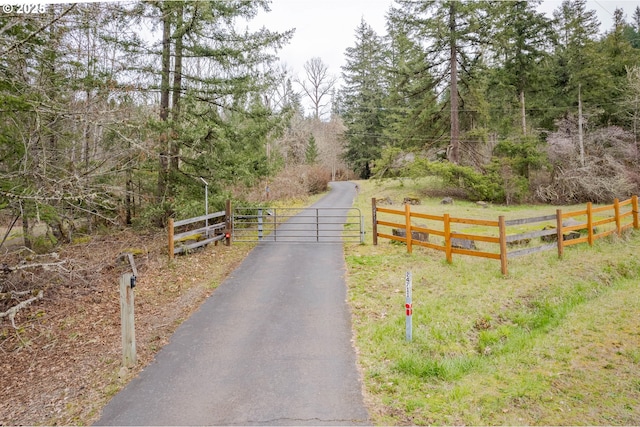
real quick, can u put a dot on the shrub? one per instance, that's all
(317, 179)
(479, 186)
(608, 170)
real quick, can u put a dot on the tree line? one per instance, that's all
(113, 111)
(518, 104)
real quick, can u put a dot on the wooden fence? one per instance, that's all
(562, 229)
(215, 227)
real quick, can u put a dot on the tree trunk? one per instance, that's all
(580, 131)
(25, 226)
(523, 113)
(454, 156)
(128, 196)
(177, 88)
(635, 127)
(164, 103)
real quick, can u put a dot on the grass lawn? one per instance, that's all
(556, 342)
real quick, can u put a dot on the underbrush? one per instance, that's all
(555, 342)
(291, 184)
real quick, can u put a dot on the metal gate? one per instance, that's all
(297, 225)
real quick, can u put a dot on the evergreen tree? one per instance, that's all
(311, 153)
(362, 99)
(576, 61)
(521, 37)
(618, 56)
(219, 71)
(452, 32)
(414, 118)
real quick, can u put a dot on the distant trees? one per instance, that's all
(411, 102)
(107, 123)
(486, 84)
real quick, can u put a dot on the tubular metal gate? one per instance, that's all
(297, 225)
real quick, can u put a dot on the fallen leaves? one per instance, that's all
(63, 362)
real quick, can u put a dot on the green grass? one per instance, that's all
(554, 342)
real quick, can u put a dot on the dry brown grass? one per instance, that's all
(292, 183)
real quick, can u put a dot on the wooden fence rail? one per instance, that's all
(214, 230)
(562, 229)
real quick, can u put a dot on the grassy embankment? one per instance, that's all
(556, 342)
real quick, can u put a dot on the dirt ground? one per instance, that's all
(61, 360)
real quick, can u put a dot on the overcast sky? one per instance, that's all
(325, 28)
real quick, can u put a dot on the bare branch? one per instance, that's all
(35, 33)
(11, 313)
(318, 84)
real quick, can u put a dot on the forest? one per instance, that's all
(112, 112)
(501, 101)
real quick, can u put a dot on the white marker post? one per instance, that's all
(408, 307)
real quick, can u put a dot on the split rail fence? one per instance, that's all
(562, 229)
(213, 227)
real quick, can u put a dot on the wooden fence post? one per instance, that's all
(447, 239)
(616, 210)
(129, 357)
(407, 219)
(374, 215)
(559, 233)
(634, 209)
(228, 223)
(170, 227)
(590, 223)
(502, 230)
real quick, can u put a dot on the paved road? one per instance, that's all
(271, 346)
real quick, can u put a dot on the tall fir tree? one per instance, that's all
(362, 99)
(521, 38)
(414, 118)
(576, 62)
(618, 56)
(212, 75)
(452, 34)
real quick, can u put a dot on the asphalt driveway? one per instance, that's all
(271, 346)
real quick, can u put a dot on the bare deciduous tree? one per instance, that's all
(318, 85)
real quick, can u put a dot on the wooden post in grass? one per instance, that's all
(502, 230)
(616, 210)
(228, 223)
(447, 238)
(559, 232)
(590, 223)
(374, 215)
(634, 209)
(129, 357)
(170, 227)
(407, 219)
